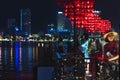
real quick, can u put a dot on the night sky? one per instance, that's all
(44, 12)
(110, 9)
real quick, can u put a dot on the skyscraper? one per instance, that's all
(63, 23)
(11, 24)
(25, 21)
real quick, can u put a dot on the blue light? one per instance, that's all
(16, 56)
(58, 55)
(97, 12)
(65, 30)
(85, 50)
(60, 12)
(51, 29)
(16, 29)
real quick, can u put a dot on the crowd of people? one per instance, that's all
(104, 49)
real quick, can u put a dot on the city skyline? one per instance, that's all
(44, 12)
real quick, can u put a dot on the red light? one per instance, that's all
(83, 12)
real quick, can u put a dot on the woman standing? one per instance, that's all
(111, 55)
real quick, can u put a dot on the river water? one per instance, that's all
(21, 57)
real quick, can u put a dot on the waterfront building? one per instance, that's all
(11, 25)
(25, 21)
(64, 26)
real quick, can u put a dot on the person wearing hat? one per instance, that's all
(111, 49)
(111, 54)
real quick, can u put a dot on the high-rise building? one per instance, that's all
(11, 25)
(25, 21)
(63, 23)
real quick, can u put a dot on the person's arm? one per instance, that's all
(114, 58)
(117, 51)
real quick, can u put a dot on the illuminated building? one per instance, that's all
(81, 13)
(12, 26)
(25, 21)
(63, 24)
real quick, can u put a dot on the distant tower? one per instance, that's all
(25, 21)
(11, 24)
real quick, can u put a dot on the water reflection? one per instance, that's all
(18, 56)
(0, 56)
